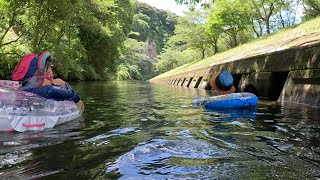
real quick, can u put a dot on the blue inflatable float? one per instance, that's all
(234, 100)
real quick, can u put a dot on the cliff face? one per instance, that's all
(154, 27)
(150, 50)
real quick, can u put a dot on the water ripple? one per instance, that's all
(160, 158)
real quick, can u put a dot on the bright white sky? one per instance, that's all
(167, 5)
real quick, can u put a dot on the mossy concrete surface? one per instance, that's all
(306, 57)
(302, 86)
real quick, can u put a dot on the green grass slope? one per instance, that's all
(304, 34)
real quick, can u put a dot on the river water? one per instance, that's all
(137, 130)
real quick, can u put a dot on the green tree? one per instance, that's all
(153, 27)
(264, 9)
(312, 8)
(140, 26)
(172, 58)
(191, 32)
(192, 3)
(130, 60)
(157, 25)
(102, 32)
(230, 17)
(288, 15)
(10, 12)
(83, 36)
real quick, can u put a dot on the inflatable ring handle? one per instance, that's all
(34, 125)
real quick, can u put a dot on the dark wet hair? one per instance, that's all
(47, 65)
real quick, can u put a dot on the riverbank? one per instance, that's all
(304, 34)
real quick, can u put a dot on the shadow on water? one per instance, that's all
(140, 131)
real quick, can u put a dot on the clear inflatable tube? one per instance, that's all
(23, 111)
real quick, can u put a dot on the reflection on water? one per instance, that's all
(218, 115)
(144, 131)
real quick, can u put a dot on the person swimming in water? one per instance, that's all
(222, 83)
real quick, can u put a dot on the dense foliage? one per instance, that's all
(83, 36)
(125, 39)
(89, 40)
(150, 26)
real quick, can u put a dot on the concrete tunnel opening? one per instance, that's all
(189, 82)
(278, 79)
(251, 89)
(236, 81)
(198, 82)
(183, 81)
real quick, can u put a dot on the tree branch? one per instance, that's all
(258, 9)
(4, 35)
(271, 10)
(7, 43)
(254, 29)
(11, 22)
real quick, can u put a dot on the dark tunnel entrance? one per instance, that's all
(250, 88)
(278, 79)
(198, 82)
(183, 81)
(236, 81)
(189, 82)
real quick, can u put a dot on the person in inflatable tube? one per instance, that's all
(36, 76)
(222, 83)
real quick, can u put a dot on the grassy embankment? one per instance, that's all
(303, 34)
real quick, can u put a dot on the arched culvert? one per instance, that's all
(236, 81)
(250, 88)
(178, 82)
(174, 82)
(189, 82)
(184, 80)
(198, 82)
(208, 86)
(278, 79)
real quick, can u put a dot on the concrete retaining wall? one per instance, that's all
(302, 86)
(294, 73)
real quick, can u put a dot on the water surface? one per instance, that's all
(139, 130)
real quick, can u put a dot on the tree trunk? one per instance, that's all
(254, 29)
(203, 53)
(235, 41)
(214, 43)
(215, 48)
(268, 26)
(268, 18)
